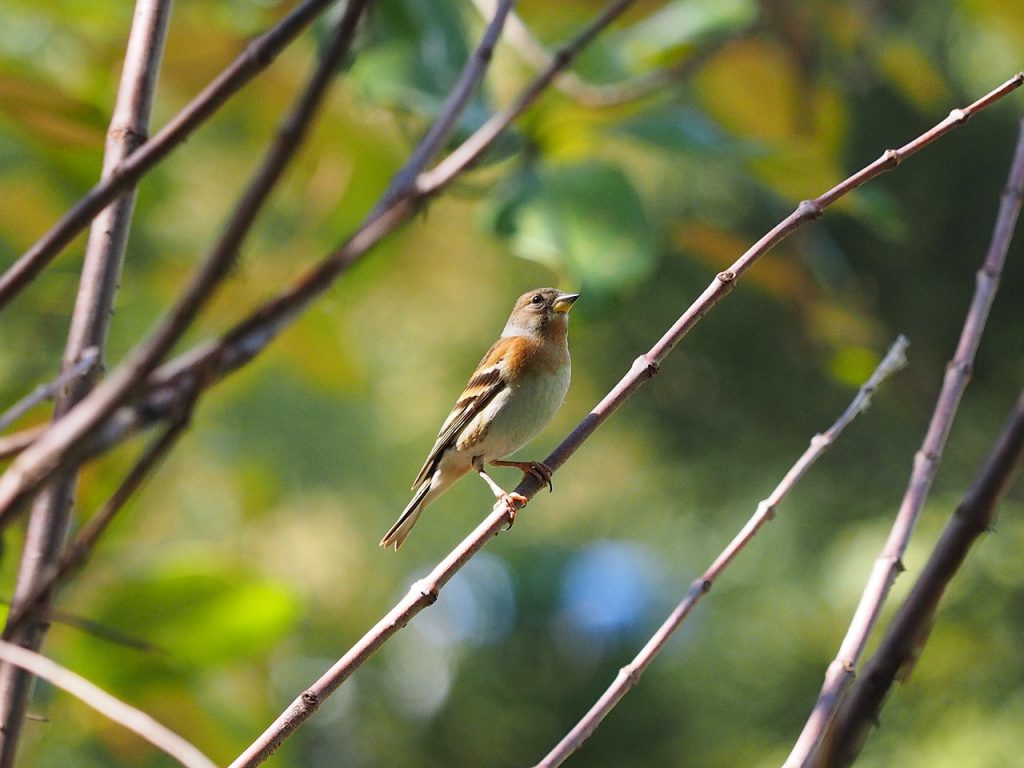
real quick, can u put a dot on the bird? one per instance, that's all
(512, 395)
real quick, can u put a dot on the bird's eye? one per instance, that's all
(537, 299)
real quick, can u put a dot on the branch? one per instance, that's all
(56, 448)
(133, 719)
(85, 365)
(194, 366)
(77, 553)
(257, 56)
(908, 632)
(605, 95)
(890, 562)
(630, 674)
(470, 77)
(90, 323)
(16, 442)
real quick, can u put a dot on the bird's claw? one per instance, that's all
(513, 502)
(542, 472)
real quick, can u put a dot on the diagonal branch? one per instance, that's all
(911, 625)
(425, 592)
(889, 563)
(470, 77)
(606, 95)
(16, 442)
(131, 718)
(77, 552)
(256, 57)
(87, 361)
(630, 674)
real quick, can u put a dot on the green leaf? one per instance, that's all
(585, 218)
(683, 23)
(199, 612)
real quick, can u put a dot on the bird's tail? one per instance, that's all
(398, 532)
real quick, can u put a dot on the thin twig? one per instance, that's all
(889, 563)
(605, 95)
(193, 366)
(90, 323)
(908, 632)
(16, 442)
(86, 363)
(135, 720)
(256, 57)
(451, 110)
(630, 674)
(57, 444)
(78, 551)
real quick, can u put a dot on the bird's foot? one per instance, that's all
(538, 469)
(513, 503)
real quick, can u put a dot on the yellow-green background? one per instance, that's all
(250, 559)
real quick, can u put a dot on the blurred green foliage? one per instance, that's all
(249, 561)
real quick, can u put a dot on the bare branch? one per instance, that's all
(16, 442)
(908, 632)
(78, 551)
(451, 110)
(889, 563)
(133, 719)
(257, 56)
(463, 157)
(630, 674)
(605, 95)
(87, 362)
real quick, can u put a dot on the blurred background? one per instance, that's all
(250, 563)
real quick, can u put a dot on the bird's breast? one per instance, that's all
(516, 415)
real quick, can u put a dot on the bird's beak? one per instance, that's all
(564, 302)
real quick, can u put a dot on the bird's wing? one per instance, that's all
(487, 382)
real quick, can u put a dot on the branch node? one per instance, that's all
(131, 137)
(645, 365)
(311, 699)
(427, 590)
(961, 367)
(725, 277)
(958, 116)
(809, 209)
(630, 674)
(891, 158)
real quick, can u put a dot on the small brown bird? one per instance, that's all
(515, 390)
